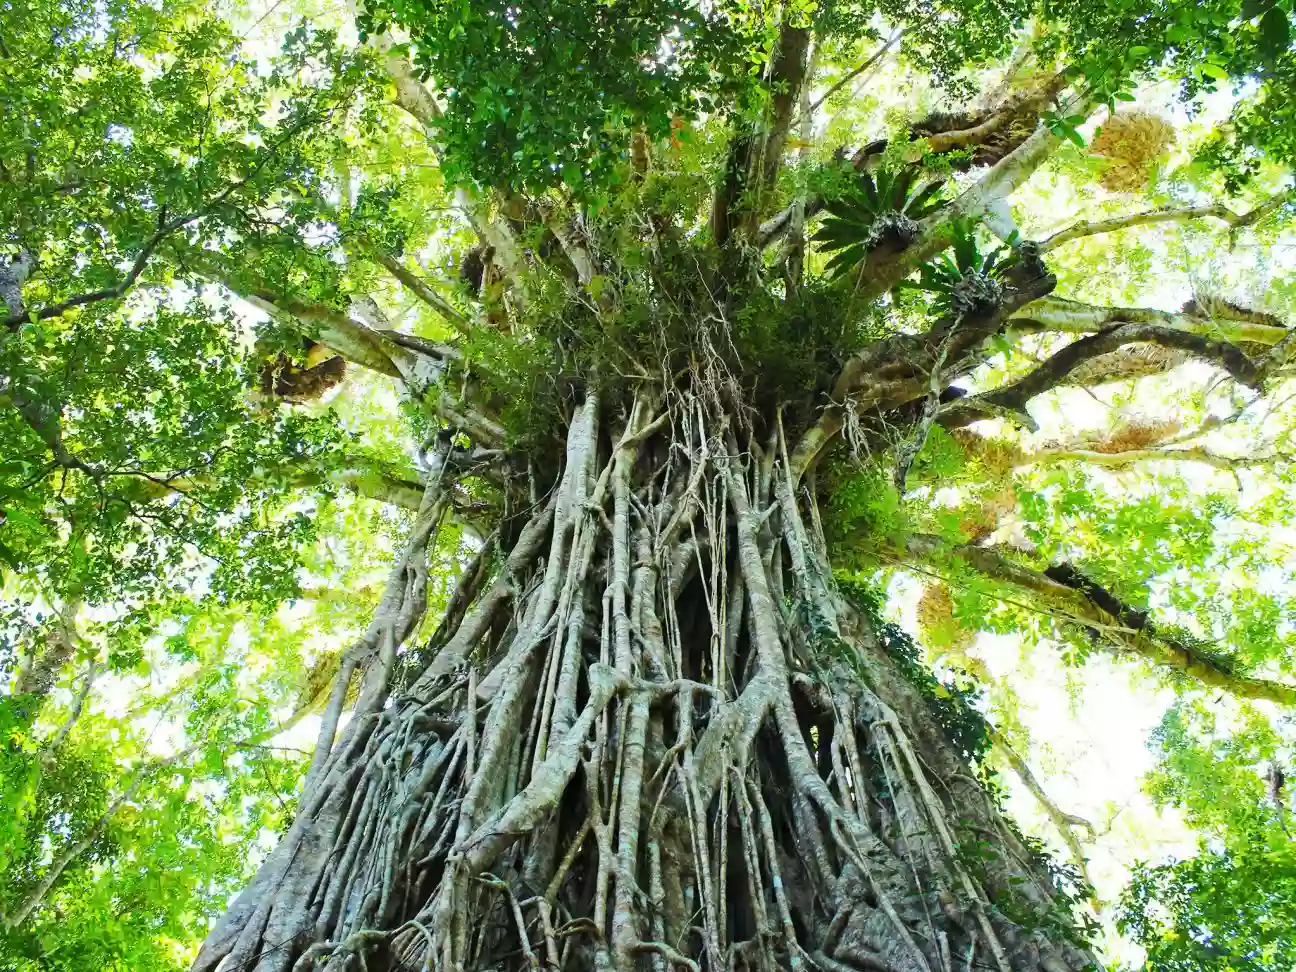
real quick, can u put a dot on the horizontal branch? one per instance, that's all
(1054, 313)
(896, 370)
(1119, 460)
(1054, 371)
(1185, 214)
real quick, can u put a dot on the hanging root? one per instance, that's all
(658, 739)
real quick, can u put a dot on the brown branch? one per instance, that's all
(755, 157)
(895, 371)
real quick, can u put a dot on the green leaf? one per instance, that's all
(1275, 33)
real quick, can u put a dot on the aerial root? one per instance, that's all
(634, 748)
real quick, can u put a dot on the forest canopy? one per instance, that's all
(613, 484)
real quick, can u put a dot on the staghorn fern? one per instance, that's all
(963, 279)
(860, 217)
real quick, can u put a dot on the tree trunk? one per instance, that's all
(659, 738)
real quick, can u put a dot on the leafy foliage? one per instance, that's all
(538, 94)
(1205, 47)
(1232, 905)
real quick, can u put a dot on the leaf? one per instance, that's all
(1213, 70)
(1251, 9)
(10, 558)
(1275, 33)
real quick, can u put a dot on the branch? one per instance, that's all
(1060, 314)
(51, 748)
(1119, 460)
(372, 482)
(1235, 221)
(1069, 594)
(164, 230)
(754, 157)
(882, 270)
(868, 63)
(420, 289)
(1065, 823)
(38, 678)
(352, 339)
(896, 370)
(1053, 371)
(944, 132)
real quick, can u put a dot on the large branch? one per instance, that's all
(897, 370)
(1052, 373)
(1066, 593)
(1061, 314)
(1235, 221)
(418, 363)
(883, 270)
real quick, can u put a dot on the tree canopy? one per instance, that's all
(301, 303)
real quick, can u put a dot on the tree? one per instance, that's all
(720, 335)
